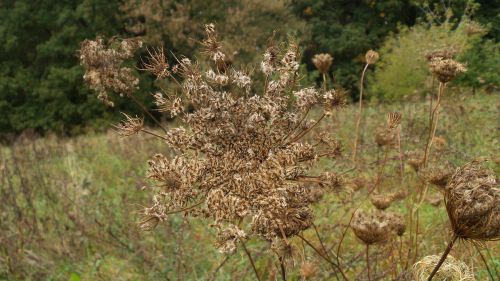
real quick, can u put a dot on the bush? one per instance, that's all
(403, 71)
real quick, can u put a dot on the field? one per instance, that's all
(70, 206)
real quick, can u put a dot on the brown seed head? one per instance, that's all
(308, 269)
(322, 62)
(472, 199)
(157, 63)
(446, 69)
(371, 57)
(438, 175)
(447, 53)
(393, 119)
(381, 201)
(451, 269)
(371, 228)
(129, 126)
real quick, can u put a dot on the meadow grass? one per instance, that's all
(70, 206)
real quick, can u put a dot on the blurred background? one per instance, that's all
(41, 84)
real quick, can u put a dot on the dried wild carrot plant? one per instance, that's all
(242, 158)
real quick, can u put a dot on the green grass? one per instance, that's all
(70, 206)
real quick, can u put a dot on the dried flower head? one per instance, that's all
(414, 159)
(381, 201)
(104, 70)
(398, 223)
(371, 228)
(308, 269)
(322, 62)
(446, 53)
(371, 57)
(393, 120)
(438, 175)
(446, 69)
(451, 270)
(242, 159)
(472, 199)
(334, 99)
(157, 63)
(228, 237)
(129, 126)
(385, 136)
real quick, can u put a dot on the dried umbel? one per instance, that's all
(393, 120)
(322, 62)
(438, 175)
(385, 136)
(451, 270)
(472, 199)
(241, 159)
(308, 269)
(104, 69)
(371, 57)
(446, 69)
(130, 126)
(446, 53)
(398, 223)
(382, 201)
(414, 159)
(372, 228)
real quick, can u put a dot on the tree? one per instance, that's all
(41, 83)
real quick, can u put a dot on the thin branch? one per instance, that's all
(251, 260)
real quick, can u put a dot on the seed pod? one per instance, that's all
(472, 200)
(451, 269)
(322, 62)
(371, 57)
(371, 228)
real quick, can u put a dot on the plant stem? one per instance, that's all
(368, 261)
(485, 263)
(283, 269)
(443, 257)
(145, 110)
(251, 260)
(326, 258)
(360, 111)
(433, 124)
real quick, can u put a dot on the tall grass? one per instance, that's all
(69, 206)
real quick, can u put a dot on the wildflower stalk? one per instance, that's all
(145, 110)
(250, 259)
(153, 134)
(324, 256)
(485, 262)
(360, 111)
(443, 257)
(282, 267)
(368, 261)
(433, 123)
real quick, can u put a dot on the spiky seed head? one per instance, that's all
(371, 57)
(156, 63)
(472, 199)
(129, 126)
(393, 119)
(322, 62)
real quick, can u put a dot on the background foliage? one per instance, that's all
(41, 85)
